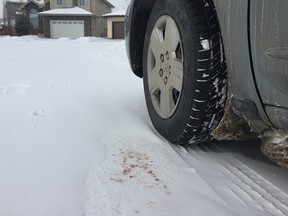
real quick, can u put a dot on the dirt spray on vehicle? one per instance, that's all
(232, 127)
(274, 142)
(275, 146)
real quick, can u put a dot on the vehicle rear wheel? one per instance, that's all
(184, 70)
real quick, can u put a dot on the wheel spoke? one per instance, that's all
(172, 36)
(165, 103)
(153, 81)
(177, 75)
(156, 40)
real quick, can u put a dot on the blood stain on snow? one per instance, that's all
(126, 170)
(134, 166)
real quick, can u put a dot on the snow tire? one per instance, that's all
(198, 107)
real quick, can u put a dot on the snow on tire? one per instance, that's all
(185, 77)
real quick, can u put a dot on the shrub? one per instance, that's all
(22, 26)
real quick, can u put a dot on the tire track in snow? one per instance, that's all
(235, 182)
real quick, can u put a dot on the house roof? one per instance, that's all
(118, 13)
(17, 1)
(40, 3)
(67, 11)
(119, 4)
(108, 3)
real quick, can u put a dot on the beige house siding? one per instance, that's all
(66, 3)
(110, 21)
(86, 6)
(99, 25)
(101, 8)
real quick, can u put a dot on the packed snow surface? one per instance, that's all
(75, 140)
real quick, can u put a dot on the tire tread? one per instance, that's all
(203, 125)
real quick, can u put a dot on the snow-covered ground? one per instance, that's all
(76, 140)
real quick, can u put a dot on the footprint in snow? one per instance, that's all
(40, 113)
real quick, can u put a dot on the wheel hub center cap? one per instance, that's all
(165, 67)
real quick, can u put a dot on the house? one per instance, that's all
(75, 18)
(115, 24)
(71, 22)
(10, 9)
(31, 9)
(13, 9)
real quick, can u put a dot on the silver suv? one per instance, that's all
(187, 50)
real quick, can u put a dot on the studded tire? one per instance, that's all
(184, 70)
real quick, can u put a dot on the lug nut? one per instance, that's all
(161, 72)
(167, 55)
(166, 80)
(162, 58)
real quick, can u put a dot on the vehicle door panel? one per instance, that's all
(269, 46)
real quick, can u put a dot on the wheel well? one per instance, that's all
(139, 19)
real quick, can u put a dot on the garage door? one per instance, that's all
(118, 30)
(67, 28)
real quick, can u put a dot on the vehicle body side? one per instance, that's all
(241, 23)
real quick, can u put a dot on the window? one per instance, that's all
(12, 21)
(33, 16)
(83, 2)
(60, 2)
